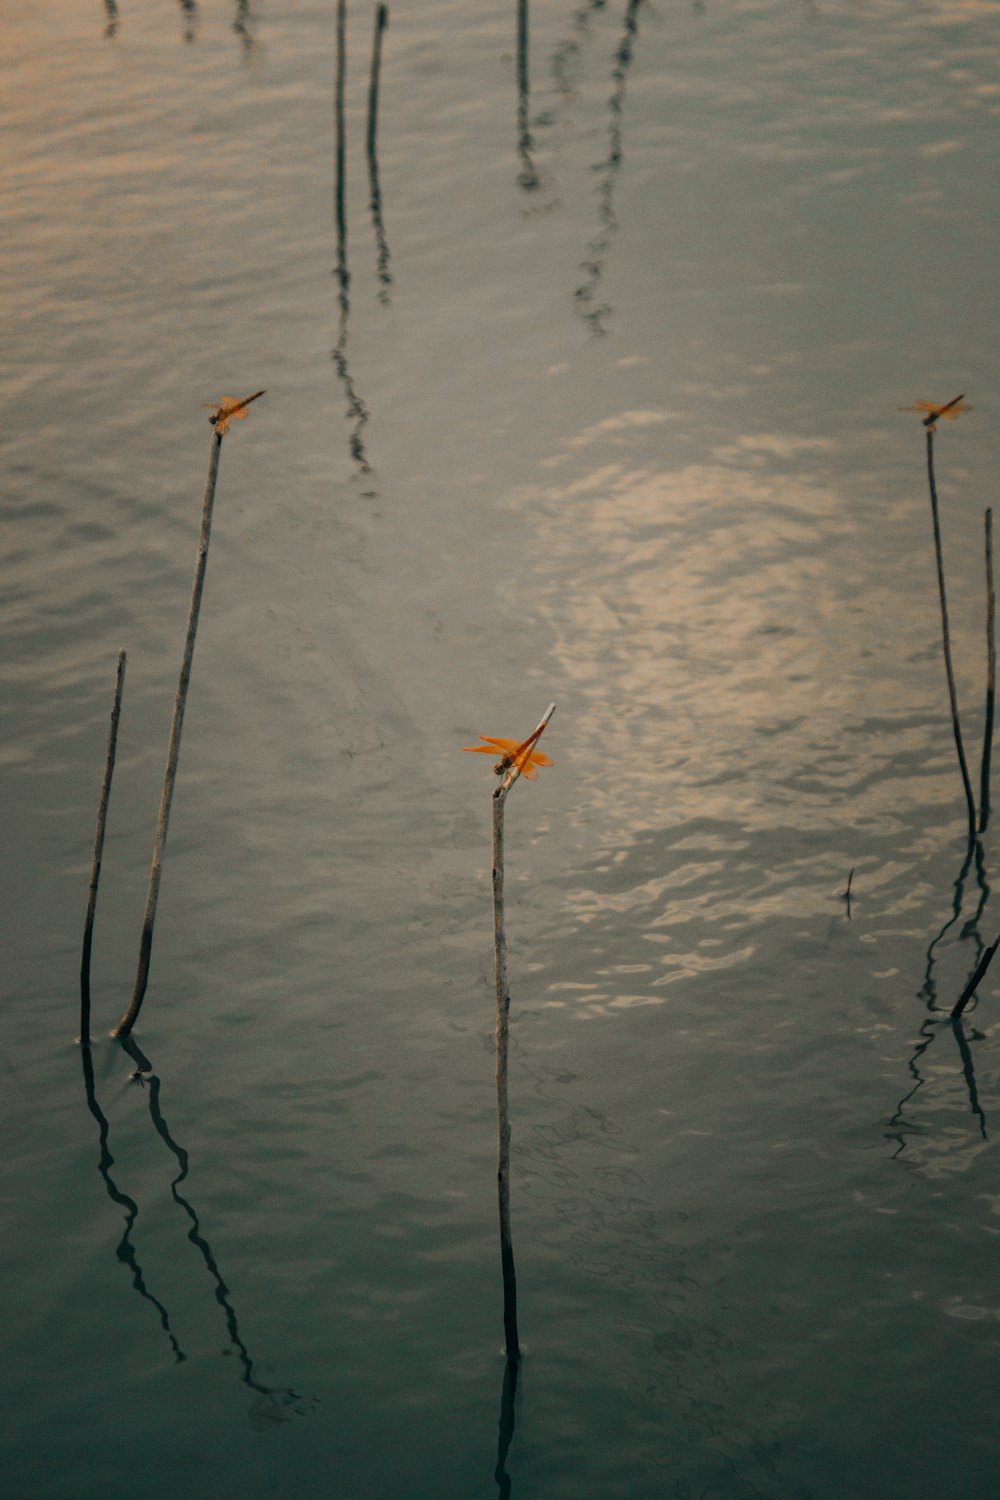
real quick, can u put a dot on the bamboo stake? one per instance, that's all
(956, 726)
(95, 868)
(128, 1020)
(970, 988)
(502, 1037)
(991, 676)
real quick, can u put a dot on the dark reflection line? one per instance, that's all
(506, 1429)
(356, 412)
(528, 176)
(899, 1126)
(340, 141)
(111, 17)
(969, 1072)
(567, 54)
(243, 26)
(374, 189)
(189, 10)
(125, 1250)
(284, 1396)
(595, 313)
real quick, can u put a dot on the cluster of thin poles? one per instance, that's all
(128, 1019)
(977, 819)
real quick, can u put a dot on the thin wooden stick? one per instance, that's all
(991, 676)
(970, 988)
(503, 1035)
(956, 726)
(95, 868)
(128, 1020)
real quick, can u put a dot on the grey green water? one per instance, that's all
(593, 397)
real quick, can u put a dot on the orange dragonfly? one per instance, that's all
(516, 755)
(229, 409)
(949, 411)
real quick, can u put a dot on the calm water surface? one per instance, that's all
(588, 392)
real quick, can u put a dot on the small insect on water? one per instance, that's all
(950, 410)
(520, 755)
(229, 409)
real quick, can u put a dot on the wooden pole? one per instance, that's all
(991, 676)
(95, 868)
(502, 1040)
(128, 1020)
(956, 726)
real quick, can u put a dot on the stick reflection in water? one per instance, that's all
(506, 1430)
(528, 175)
(901, 1128)
(357, 411)
(124, 1250)
(272, 1404)
(593, 312)
(374, 190)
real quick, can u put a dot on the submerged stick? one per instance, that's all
(956, 726)
(95, 868)
(128, 1020)
(991, 676)
(510, 775)
(978, 973)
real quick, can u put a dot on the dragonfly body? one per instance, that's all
(950, 410)
(229, 409)
(519, 755)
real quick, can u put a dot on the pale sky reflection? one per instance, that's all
(726, 626)
(750, 690)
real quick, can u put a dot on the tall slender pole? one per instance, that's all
(503, 1105)
(991, 677)
(956, 726)
(502, 1039)
(128, 1020)
(95, 868)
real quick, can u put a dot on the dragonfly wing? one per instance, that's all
(500, 743)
